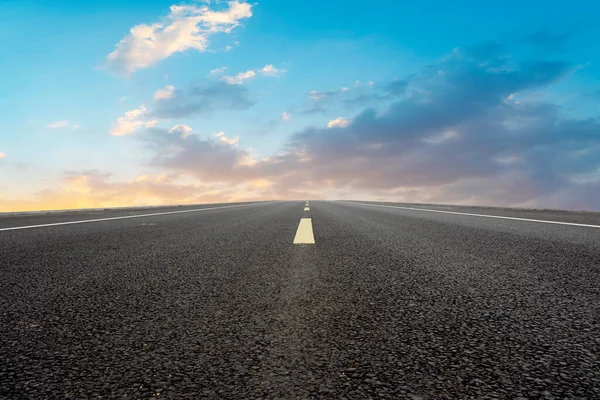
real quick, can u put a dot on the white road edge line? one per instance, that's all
(476, 215)
(128, 216)
(304, 234)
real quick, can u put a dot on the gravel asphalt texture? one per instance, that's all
(219, 304)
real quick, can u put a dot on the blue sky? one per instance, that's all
(432, 101)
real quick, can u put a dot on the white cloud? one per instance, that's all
(225, 139)
(246, 75)
(239, 78)
(345, 89)
(182, 130)
(286, 116)
(217, 71)
(130, 122)
(185, 27)
(76, 127)
(150, 124)
(315, 95)
(135, 113)
(338, 122)
(267, 70)
(2, 155)
(164, 93)
(270, 70)
(58, 124)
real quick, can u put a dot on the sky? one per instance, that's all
(132, 103)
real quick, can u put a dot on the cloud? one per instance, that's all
(445, 141)
(338, 123)
(185, 27)
(454, 133)
(316, 95)
(217, 71)
(165, 93)
(231, 141)
(171, 102)
(549, 41)
(239, 78)
(131, 122)
(320, 101)
(592, 94)
(213, 159)
(396, 87)
(2, 155)
(58, 124)
(182, 130)
(270, 70)
(267, 126)
(465, 130)
(203, 99)
(267, 70)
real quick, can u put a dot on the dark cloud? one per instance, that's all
(320, 102)
(454, 133)
(264, 126)
(460, 130)
(203, 99)
(594, 94)
(371, 95)
(548, 41)
(396, 87)
(482, 52)
(209, 159)
(316, 108)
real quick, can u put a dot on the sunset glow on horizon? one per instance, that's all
(157, 103)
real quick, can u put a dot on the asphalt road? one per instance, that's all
(388, 303)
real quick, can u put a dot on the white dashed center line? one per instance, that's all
(304, 233)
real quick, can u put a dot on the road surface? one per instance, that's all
(219, 302)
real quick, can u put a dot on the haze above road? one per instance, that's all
(218, 301)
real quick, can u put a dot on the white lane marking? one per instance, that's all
(476, 215)
(304, 234)
(306, 204)
(128, 216)
(306, 209)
